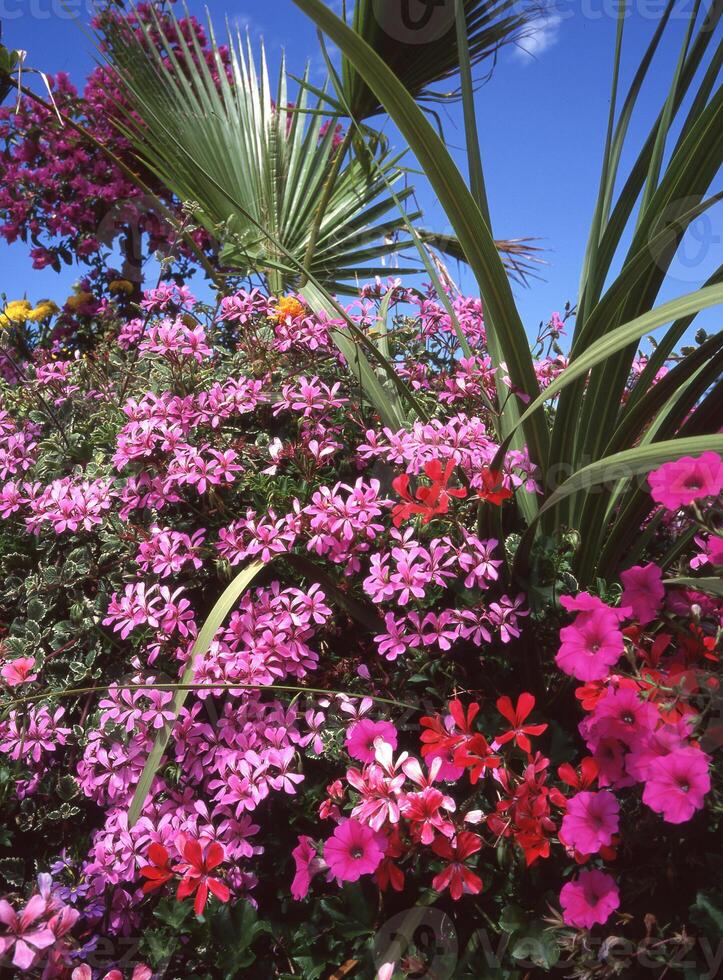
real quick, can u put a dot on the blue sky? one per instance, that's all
(542, 119)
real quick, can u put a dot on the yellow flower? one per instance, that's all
(43, 311)
(17, 311)
(121, 286)
(287, 306)
(77, 300)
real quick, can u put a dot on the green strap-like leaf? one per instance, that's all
(713, 586)
(620, 338)
(459, 205)
(632, 462)
(215, 620)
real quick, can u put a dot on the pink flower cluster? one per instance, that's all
(38, 934)
(17, 446)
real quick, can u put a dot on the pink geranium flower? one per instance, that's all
(24, 933)
(361, 735)
(680, 482)
(18, 671)
(677, 784)
(353, 850)
(591, 899)
(590, 821)
(308, 863)
(643, 591)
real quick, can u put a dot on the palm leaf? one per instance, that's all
(253, 167)
(420, 47)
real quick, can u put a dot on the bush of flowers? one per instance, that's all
(383, 728)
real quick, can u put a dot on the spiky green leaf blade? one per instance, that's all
(213, 622)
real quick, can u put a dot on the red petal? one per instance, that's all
(158, 855)
(524, 742)
(525, 704)
(201, 898)
(214, 855)
(456, 709)
(220, 890)
(568, 775)
(433, 469)
(193, 853)
(150, 886)
(401, 486)
(504, 706)
(535, 729)
(186, 887)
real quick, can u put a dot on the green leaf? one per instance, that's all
(458, 203)
(254, 168)
(632, 462)
(538, 947)
(422, 51)
(214, 620)
(621, 337)
(513, 919)
(711, 586)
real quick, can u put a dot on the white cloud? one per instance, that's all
(542, 34)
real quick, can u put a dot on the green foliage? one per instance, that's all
(616, 306)
(256, 168)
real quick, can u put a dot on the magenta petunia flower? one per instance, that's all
(590, 899)
(590, 821)
(591, 645)
(680, 482)
(677, 783)
(643, 591)
(361, 735)
(353, 850)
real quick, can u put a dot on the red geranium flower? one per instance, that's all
(196, 877)
(456, 875)
(158, 872)
(493, 490)
(429, 500)
(463, 719)
(476, 755)
(516, 717)
(581, 780)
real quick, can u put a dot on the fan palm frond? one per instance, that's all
(519, 256)
(417, 41)
(254, 167)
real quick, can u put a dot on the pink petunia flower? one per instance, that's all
(590, 646)
(590, 899)
(643, 591)
(353, 850)
(591, 821)
(361, 735)
(680, 482)
(677, 784)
